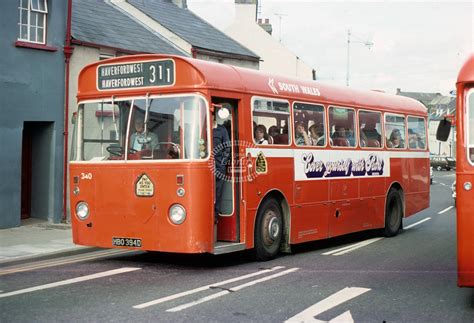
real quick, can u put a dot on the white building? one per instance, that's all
(275, 58)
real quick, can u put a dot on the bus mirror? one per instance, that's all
(444, 128)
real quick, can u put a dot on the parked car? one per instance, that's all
(439, 163)
(453, 188)
(451, 162)
(431, 175)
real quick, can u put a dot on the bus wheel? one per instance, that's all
(393, 213)
(268, 231)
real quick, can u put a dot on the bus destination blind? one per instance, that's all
(135, 75)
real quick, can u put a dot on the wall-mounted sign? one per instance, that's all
(144, 186)
(135, 75)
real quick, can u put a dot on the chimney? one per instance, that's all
(399, 91)
(267, 26)
(181, 3)
(248, 5)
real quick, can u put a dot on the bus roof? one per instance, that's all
(193, 74)
(466, 74)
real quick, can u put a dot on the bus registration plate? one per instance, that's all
(127, 242)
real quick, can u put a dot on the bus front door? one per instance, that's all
(228, 228)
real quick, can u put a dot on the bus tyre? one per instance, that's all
(393, 213)
(268, 230)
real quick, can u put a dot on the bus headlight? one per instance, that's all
(467, 186)
(82, 210)
(177, 214)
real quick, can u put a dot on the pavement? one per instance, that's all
(37, 239)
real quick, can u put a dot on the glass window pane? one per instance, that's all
(24, 32)
(24, 4)
(24, 17)
(416, 133)
(310, 127)
(270, 122)
(104, 130)
(41, 19)
(42, 5)
(395, 131)
(470, 126)
(33, 19)
(40, 38)
(32, 33)
(370, 129)
(341, 127)
(34, 4)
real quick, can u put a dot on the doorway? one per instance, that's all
(37, 170)
(228, 228)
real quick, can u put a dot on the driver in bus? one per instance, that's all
(138, 139)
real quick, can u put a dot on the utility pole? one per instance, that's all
(279, 15)
(367, 43)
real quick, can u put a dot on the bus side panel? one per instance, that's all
(465, 231)
(309, 219)
(279, 176)
(417, 195)
(372, 193)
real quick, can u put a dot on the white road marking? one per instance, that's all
(200, 289)
(442, 184)
(70, 281)
(416, 223)
(342, 296)
(234, 289)
(347, 249)
(446, 209)
(64, 261)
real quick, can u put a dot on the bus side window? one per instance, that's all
(416, 133)
(370, 129)
(342, 127)
(310, 124)
(395, 131)
(270, 122)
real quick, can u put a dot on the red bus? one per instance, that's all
(464, 171)
(306, 161)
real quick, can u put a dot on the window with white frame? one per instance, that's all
(32, 21)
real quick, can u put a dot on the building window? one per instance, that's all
(32, 23)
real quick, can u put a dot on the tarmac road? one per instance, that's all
(360, 277)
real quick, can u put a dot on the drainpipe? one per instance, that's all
(193, 52)
(68, 49)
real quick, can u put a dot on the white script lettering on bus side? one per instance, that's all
(87, 176)
(292, 88)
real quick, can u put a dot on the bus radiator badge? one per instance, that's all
(144, 186)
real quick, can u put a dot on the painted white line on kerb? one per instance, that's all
(416, 223)
(446, 209)
(71, 281)
(200, 289)
(234, 289)
(352, 247)
(342, 296)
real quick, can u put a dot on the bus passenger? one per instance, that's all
(272, 134)
(138, 141)
(261, 137)
(301, 137)
(414, 140)
(374, 139)
(339, 136)
(221, 153)
(317, 136)
(395, 140)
